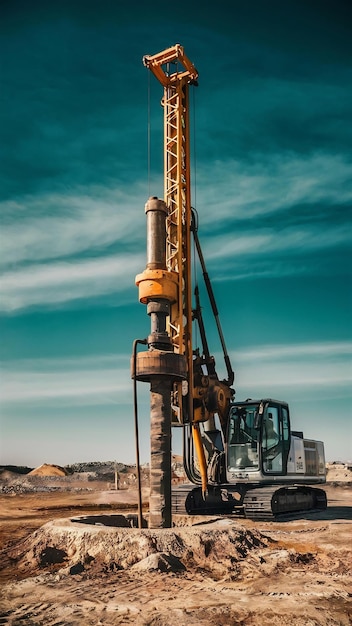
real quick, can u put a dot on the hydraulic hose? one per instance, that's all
(188, 456)
(194, 228)
(136, 429)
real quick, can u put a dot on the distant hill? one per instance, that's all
(17, 469)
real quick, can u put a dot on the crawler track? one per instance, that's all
(261, 503)
(269, 503)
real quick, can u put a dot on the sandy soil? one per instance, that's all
(218, 571)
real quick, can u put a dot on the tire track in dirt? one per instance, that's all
(301, 577)
(161, 599)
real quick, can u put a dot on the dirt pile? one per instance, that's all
(48, 470)
(215, 547)
(7, 475)
(339, 473)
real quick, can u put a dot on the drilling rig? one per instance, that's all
(238, 456)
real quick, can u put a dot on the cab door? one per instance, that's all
(275, 438)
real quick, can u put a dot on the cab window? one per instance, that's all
(275, 439)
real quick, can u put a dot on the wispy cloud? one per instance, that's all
(59, 225)
(240, 191)
(45, 236)
(270, 241)
(283, 351)
(102, 379)
(312, 366)
(49, 226)
(61, 282)
(105, 379)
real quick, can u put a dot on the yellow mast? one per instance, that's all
(176, 72)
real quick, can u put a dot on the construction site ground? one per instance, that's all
(218, 571)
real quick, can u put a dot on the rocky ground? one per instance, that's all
(58, 571)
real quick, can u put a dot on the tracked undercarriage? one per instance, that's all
(258, 503)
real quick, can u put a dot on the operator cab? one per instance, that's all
(258, 437)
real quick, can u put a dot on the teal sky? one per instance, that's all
(271, 181)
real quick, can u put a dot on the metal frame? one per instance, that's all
(177, 194)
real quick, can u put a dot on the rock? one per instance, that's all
(161, 562)
(77, 569)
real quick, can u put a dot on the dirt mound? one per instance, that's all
(339, 473)
(7, 475)
(214, 548)
(48, 470)
(159, 562)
